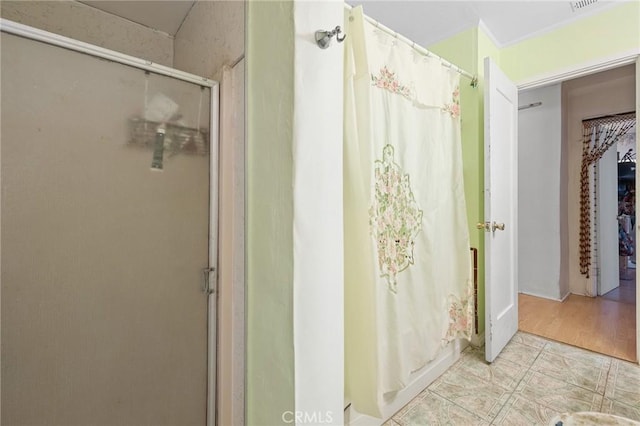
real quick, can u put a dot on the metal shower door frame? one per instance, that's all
(28, 32)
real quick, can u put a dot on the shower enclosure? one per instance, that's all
(108, 222)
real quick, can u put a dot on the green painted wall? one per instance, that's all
(616, 30)
(270, 356)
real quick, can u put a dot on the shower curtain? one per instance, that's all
(408, 286)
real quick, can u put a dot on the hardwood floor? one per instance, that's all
(602, 324)
(626, 293)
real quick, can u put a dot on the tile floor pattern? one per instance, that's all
(531, 381)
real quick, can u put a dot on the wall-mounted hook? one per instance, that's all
(323, 38)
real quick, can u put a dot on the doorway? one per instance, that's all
(627, 248)
(549, 308)
(106, 224)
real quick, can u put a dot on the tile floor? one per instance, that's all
(531, 381)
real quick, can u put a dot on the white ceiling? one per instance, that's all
(166, 16)
(424, 22)
(507, 21)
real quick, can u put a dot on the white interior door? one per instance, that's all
(501, 183)
(607, 227)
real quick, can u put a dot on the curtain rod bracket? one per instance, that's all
(323, 38)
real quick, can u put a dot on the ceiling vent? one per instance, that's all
(581, 4)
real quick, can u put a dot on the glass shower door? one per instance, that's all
(105, 226)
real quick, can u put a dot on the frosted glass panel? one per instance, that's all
(103, 318)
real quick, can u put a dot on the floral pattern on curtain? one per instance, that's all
(408, 278)
(395, 218)
(453, 108)
(599, 134)
(387, 80)
(461, 311)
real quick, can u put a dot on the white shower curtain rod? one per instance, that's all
(420, 49)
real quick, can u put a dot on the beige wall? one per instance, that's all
(232, 220)
(212, 35)
(85, 23)
(592, 96)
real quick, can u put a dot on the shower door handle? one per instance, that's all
(209, 280)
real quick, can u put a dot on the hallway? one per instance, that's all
(602, 324)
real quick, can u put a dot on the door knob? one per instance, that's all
(483, 225)
(496, 225)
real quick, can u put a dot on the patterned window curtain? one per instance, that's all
(599, 135)
(408, 278)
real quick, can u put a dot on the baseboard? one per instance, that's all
(477, 340)
(530, 293)
(418, 382)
